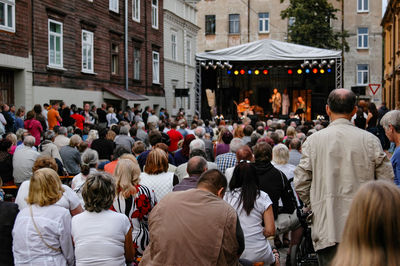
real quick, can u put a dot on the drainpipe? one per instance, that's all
(394, 60)
(126, 46)
(248, 20)
(343, 40)
(145, 47)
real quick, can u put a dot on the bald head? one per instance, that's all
(196, 166)
(342, 101)
(244, 153)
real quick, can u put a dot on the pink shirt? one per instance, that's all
(35, 129)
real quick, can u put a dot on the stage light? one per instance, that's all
(256, 72)
(242, 72)
(315, 70)
(249, 72)
(265, 72)
(236, 72)
(299, 71)
(323, 63)
(314, 63)
(332, 62)
(305, 64)
(290, 72)
(329, 70)
(203, 64)
(219, 65)
(227, 65)
(307, 70)
(322, 71)
(229, 72)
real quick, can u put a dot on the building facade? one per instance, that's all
(391, 78)
(228, 23)
(180, 44)
(78, 52)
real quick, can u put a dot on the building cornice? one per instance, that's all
(168, 15)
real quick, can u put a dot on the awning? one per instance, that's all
(126, 95)
(268, 50)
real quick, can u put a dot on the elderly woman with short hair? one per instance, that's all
(42, 232)
(101, 236)
(71, 156)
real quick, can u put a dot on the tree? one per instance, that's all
(311, 24)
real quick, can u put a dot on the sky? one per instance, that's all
(384, 3)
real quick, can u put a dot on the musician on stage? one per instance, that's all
(244, 108)
(276, 100)
(301, 107)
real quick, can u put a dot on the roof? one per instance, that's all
(124, 94)
(269, 50)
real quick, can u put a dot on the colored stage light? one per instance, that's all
(242, 72)
(249, 72)
(315, 70)
(229, 72)
(290, 72)
(265, 72)
(236, 72)
(256, 71)
(299, 71)
(329, 70)
(307, 70)
(322, 71)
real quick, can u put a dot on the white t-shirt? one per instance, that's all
(69, 199)
(99, 238)
(77, 184)
(257, 247)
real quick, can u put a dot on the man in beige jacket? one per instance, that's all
(335, 162)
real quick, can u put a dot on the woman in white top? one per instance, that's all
(89, 161)
(253, 207)
(111, 117)
(101, 236)
(155, 174)
(42, 232)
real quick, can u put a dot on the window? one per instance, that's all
(136, 63)
(87, 51)
(210, 24)
(234, 23)
(362, 74)
(114, 5)
(362, 5)
(173, 46)
(156, 67)
(362, 38)
(7, 15)
(188, 51)
(55, 43)
(136, 10)
(114, 59)
(263, 22)
(154, 14)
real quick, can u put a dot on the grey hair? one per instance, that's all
(123, 131)
(236, 144)
(90, 157)
(49, 135)
(20, 132)
(197, 144)
(280, 154)
(75, 140)
(140, 124)
(199, 132)
(280, 133)
(62, 131)
(391, 118)
(29, 141)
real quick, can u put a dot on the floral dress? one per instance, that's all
(137, 207)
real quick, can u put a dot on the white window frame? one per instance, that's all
(56, 35)
(189, 51)
(174, 48)
(136, 10)
(263, 20)
(361, 38)
(114, 6)
(7, 4)
(156, 67)
(362, 73)
(361, 8)
(154, 14)
(89, 67)
(136, 63)
(234, 23)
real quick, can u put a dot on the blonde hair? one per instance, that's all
(221, 133)
(291, 132)
(157, 162)
(111, 135)
(129, 157)
(280, 154)
(127, 175)
(12, 137)
(238, 132)
(370, 236)
(45, 187)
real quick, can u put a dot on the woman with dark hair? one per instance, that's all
(254, 207)
(19, 118)
(6, 166)
(39, 116)
(182, 156)
(360, 120)
(224, 139)
(372, 118)
(33, 126)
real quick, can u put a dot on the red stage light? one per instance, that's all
(315, 70)
(265, 72)
(242, 72)
(290, 72)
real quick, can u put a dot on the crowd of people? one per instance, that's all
(152, 189)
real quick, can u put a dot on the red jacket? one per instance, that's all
(35, 129)
(175, 137)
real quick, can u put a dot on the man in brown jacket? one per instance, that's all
(195, 227)
(335, 162)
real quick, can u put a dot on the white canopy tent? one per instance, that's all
(266, 50)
